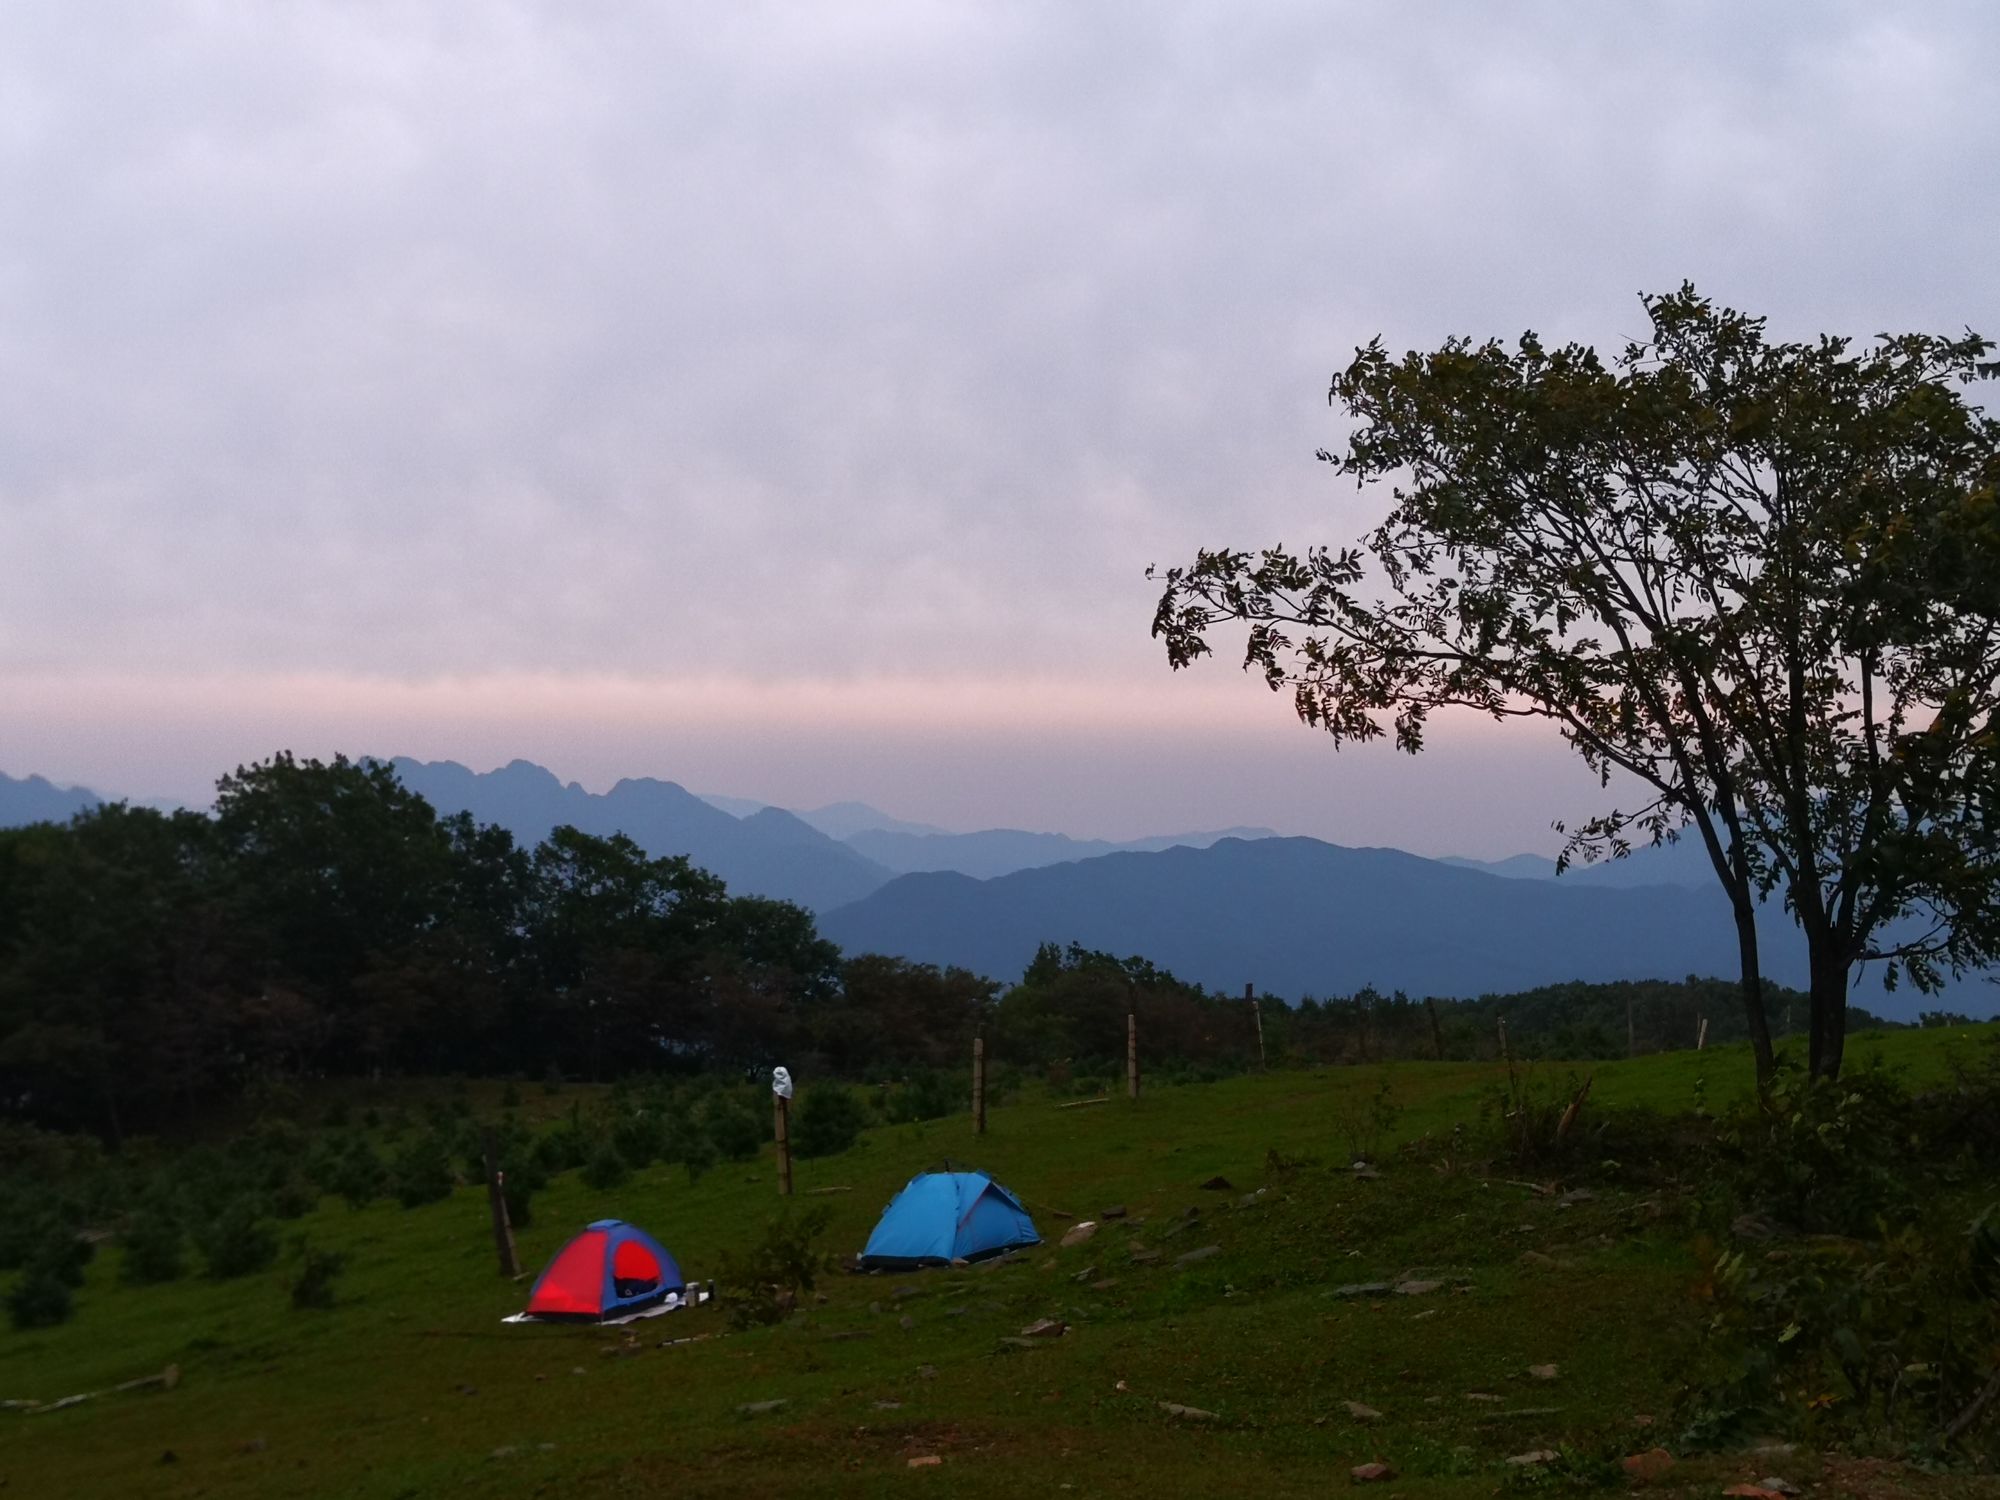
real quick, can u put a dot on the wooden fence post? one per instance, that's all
(1132, 1054)
(1631, 1032)
(1257, 1015)
(1505, 1055)
(784, 1134)
(496, 1201)
(979, 1085)
(1701, 1035)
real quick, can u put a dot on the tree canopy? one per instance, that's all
(1758, 580)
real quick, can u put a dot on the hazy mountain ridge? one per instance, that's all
(36, 799)
(1001, 851)
(770, 853)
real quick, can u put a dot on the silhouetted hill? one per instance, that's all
(1297, 916)
(770, 853)
(1000, 851)
(36, 799)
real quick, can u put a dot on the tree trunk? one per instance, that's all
(1827, 1025)
(1753, 987)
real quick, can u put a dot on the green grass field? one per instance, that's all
(411, 1387)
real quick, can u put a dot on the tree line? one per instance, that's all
(325, 921)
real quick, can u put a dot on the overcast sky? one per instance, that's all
(787, 400)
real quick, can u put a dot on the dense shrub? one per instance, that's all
(640, 1137)
(520, 1201)
(766, 1282)
(829, 1120)
(730, 1126)
(155, 1249)
(606, 1169)
(318, 1271)
(421, 1171)
(359, 1175)
(927, 1095)
(1826, 1155)
(237, 1242)
(41, 1299)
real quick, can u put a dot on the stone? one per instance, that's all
(1045, 1328)
(1218, 1184)
(1249, 1200)
(903, 1293)
(1116, 1211)
(1144, 1257)
(1194, 1257)
(1753, 1227)
(1533, 1457)
(887, 1406)
(1537, 1258)
(1361, 1413)
(1777, 1486)
(1187, 1413)
(759, 1408)
(1752, 1492)
(1416, 1288)
(1542, 1372)
(1088, 1273)
(1104, 1285)
(1486, 1396)
(907, 1323)
(505, 1452)
(1648, 1467)
(1364, 1289)
(1080, 1234)
(1371, 1473)
(954, 1312)
(925, 1461)
(1365, 1173)
(927, 1372)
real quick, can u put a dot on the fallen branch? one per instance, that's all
(1080, 1103)
(1973, 1408)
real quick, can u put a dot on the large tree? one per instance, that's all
(1760, 580)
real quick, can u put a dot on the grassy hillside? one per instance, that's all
(411, 1387)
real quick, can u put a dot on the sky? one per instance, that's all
(788, 400)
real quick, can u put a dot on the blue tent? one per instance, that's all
(940, 1217)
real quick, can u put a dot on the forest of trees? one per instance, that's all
(324, 921)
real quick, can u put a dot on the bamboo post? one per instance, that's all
(979, 1085)
(1505, 1055)
(1132, 1054)
(496, 1201)
(1631, 1032)
(784, 1134)
(1701, 1035)
(1257, 1015)
(1437, 1031)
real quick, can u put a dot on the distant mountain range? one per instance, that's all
(1298, 916)
(769, 853)
(36, 799)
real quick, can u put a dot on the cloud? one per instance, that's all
(790, 342)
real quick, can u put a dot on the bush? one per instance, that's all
(359, 1176)
(731, 1127)
(606, 1169)
(1845, 1342)
(829, 1120)
(520, 1201)
(40, 1300)
(155, 1249)
(62, 1254)
(928, 1095)
(766, 1283)
(641, 1137)
(697, 1153)
(421, 1172)
(237, 1242)
(318, 1271)
(1826, 1155)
